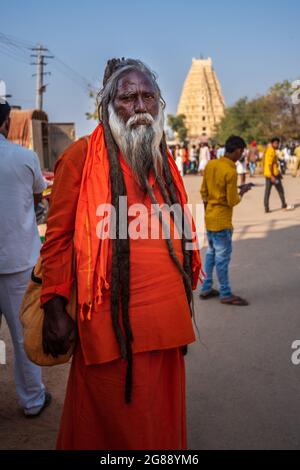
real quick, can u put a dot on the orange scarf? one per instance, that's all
(91, 251)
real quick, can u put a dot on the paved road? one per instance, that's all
(243, 391)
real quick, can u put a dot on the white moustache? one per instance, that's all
(142, 119)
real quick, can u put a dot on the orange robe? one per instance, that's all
(95, 414)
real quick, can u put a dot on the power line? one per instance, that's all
(10, 53)
(25, 100)
(76, 78)
(17, 41)
(21, 48)
(18, 49)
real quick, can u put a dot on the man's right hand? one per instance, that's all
(244, 189)
(59, 330)
(273, 179)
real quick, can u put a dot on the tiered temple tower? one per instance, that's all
(201, 100)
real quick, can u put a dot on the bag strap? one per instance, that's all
(34, 278)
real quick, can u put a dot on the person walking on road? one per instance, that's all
(253, 157)
(273, 176)
(21, 183)
(219, 192)
(296, 161)
(204, 158)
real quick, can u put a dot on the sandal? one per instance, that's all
(235, 300)
(289, 208)
(212, 293)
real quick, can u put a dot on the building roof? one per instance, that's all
(20, 129)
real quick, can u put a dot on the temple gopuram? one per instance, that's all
(201, 100)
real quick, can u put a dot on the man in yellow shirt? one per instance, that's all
(296, 162)
(219, 192)
(272, 174)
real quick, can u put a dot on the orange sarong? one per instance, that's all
(96, 417)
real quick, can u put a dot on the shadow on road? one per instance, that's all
(243, 390)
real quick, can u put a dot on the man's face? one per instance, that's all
(275, 145)
(136, 94)
(237, 154)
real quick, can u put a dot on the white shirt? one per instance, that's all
(205, 154)
(221, 152)
(193, 157)
(20, 178)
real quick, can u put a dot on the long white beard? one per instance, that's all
(140, 144)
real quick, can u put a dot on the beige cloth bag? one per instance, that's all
(32, 318)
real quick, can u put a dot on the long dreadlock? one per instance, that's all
(120, 285)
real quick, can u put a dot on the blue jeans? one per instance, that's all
(252, 168)
(218, 255)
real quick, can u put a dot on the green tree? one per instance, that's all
(284, 116)
(93, 115)
(263, 117)
(177, 124)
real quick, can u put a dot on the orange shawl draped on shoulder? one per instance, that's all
(92, 251)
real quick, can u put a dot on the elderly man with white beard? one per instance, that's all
(126, 388)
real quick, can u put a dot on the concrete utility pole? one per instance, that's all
(40, 86)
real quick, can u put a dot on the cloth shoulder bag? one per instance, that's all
(32, 319)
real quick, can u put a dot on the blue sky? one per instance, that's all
(253, 44)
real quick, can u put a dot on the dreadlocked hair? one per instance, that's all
(120, 292)
(186, 229)
(186, 232)
(120, 283)
(169, 193)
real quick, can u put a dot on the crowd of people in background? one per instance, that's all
(192, 159)
(221, 191)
